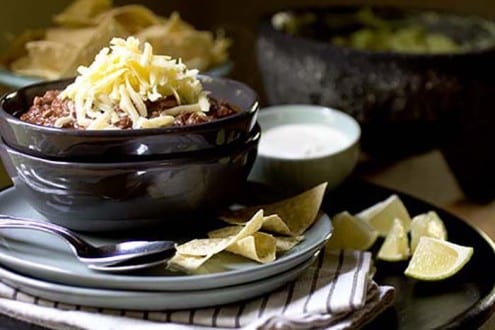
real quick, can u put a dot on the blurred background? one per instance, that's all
(464, 185)
(238, 18)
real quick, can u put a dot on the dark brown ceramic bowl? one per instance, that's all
(107, 145)
(405, 102)
(127, 195)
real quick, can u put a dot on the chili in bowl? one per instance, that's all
(55, 119)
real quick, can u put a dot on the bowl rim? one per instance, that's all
(188, 157)
(266, 111)
(212, 125)
(265, 24)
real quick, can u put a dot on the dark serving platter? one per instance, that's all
(464, 301)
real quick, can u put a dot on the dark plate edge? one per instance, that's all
(481, 311)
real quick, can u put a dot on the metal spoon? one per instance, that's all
(133, 264)
(105, 256)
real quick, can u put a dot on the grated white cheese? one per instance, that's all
(126, 75)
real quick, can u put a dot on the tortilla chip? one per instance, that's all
(287, 243)
(63, 51)
(133, 17)
(203, 246)
(259, 247)
(82, 12)
(100, 38)
(202, 249)
(186, 263)
(225, 232)
(89, 25)
(219, 51)
(274, 224)
(282, 243)
(190, 46)
(176, 38)
(76, 37)
(290, 216)
(298, 212)
(45, 58)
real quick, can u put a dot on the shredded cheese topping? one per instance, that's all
(122, 78)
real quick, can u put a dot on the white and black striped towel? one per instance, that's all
(335, 292)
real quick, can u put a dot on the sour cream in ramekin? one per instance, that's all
(301, 140)
(302, 146)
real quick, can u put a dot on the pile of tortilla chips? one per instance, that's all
(86, 26)
(257, 233)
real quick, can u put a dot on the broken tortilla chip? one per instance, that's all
(298, 212)
(205, 246)
(191, 255)
(225, 232)
(274, 224)
(86, 26)
(176, 38)
(101, 37)
(46, 58)
(82, 12)
(186, 263)
(259, 247)
(284, 243)
(62, 51)
(133, 17)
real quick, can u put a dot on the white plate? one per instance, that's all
(47, 257)
(146, 300)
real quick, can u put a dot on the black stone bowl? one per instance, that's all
(102, 197)
(405, 103)
(108, 145)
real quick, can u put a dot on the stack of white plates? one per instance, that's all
(43, 265)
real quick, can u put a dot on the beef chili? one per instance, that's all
(46, 109)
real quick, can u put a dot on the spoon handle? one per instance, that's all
(76, 243)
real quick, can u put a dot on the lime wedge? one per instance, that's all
(435, 259)
(427, 224)
(396, 244)
(350, 232)
(381, 215)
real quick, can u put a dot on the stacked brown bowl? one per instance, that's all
(113, 180)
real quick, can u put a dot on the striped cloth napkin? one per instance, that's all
(336, 292)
